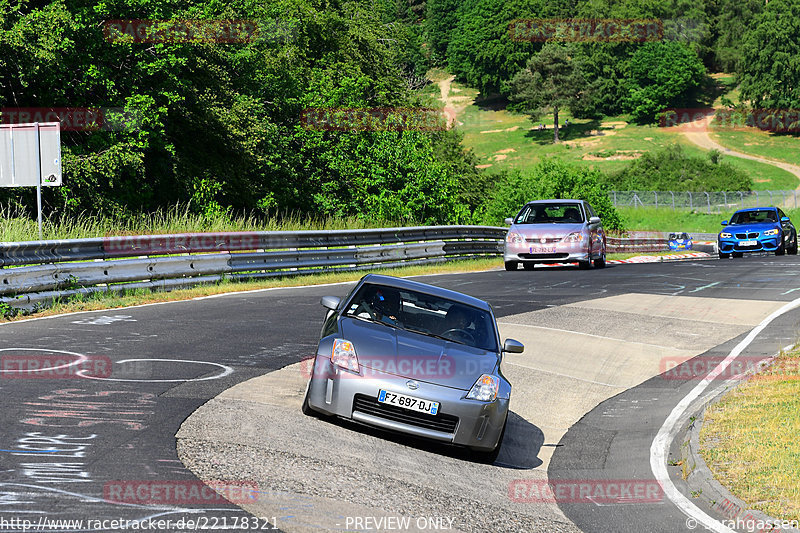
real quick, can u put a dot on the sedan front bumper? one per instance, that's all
(471, 423)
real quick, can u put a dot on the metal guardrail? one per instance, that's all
(33, 273)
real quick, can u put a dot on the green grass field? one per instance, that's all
(764, 144)
(505, 140)
(749, 440)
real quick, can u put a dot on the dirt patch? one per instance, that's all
(647, 139)
(761, 180)
(505, 151)
(512, 128)
(499, 157)
(620, 155)
(614, 124)
(482, 166)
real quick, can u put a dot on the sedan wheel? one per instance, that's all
(793, 247)
(490, 457)
(600, 262)
(782, 249)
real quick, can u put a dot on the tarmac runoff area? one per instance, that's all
(328, 475)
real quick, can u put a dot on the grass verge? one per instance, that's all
(749, 439)
(141, 296)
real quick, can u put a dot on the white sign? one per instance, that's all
(18, 157)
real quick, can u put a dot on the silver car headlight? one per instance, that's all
(485, 389)
(770, 232)
(514, 238)
(344, 355)
(725, 235)
(574, 237)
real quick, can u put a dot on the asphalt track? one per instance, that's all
(69, 441)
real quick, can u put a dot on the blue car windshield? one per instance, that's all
(550, 213)
(425, 314)
(754, 217)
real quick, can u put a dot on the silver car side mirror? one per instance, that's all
(594, 220)
(513, 346)
(330, 302)
(509, 221)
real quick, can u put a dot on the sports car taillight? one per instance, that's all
(344, 355)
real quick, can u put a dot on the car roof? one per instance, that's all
(402, 283)
(757, 209)
(569, 200)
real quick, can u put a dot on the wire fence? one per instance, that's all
(710, 202)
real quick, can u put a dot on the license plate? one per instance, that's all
(408, 402)
(748, 243)
(542, 250)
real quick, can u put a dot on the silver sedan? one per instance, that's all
(413, 358)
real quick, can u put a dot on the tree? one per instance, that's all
(552, 79)
(551, 178)
(661, 75)
(770, 70)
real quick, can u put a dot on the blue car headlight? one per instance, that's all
(725, 235)
(771, 232)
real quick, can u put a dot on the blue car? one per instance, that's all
(679, 241)
(758, 229)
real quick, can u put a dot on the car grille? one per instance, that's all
(546, 241)
(751, 235)
(370, 406)
(543, 256)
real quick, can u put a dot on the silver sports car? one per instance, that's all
(413, 358)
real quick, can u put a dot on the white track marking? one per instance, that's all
(226, 370)
(659, 449)
(80, 359)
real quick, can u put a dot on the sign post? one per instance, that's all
(30, 155)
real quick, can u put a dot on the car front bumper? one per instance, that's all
(471, 423)
(765, 244)
(561, 253)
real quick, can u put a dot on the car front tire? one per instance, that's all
(600, 262)
(511, 265)
(793, 247)
(782, 248)
(490, 457)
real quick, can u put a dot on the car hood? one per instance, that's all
(546, 230)
(757, 226)
(384, 349)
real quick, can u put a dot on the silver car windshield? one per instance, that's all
(424, 313)
(550, 213)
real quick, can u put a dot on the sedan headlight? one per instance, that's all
(514, 238)
(485, 389)
(344, 355)
(574, 237)
(770, 232)
(725, 235)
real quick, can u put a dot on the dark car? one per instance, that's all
(416, 359)
(757, 229)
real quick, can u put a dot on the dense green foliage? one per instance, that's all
(551, 178)
(672, 170)
(218, 125)
(551, 79)
(659, 76)
(770, 70)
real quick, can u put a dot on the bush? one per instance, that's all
(671, 169)
(551, 178)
